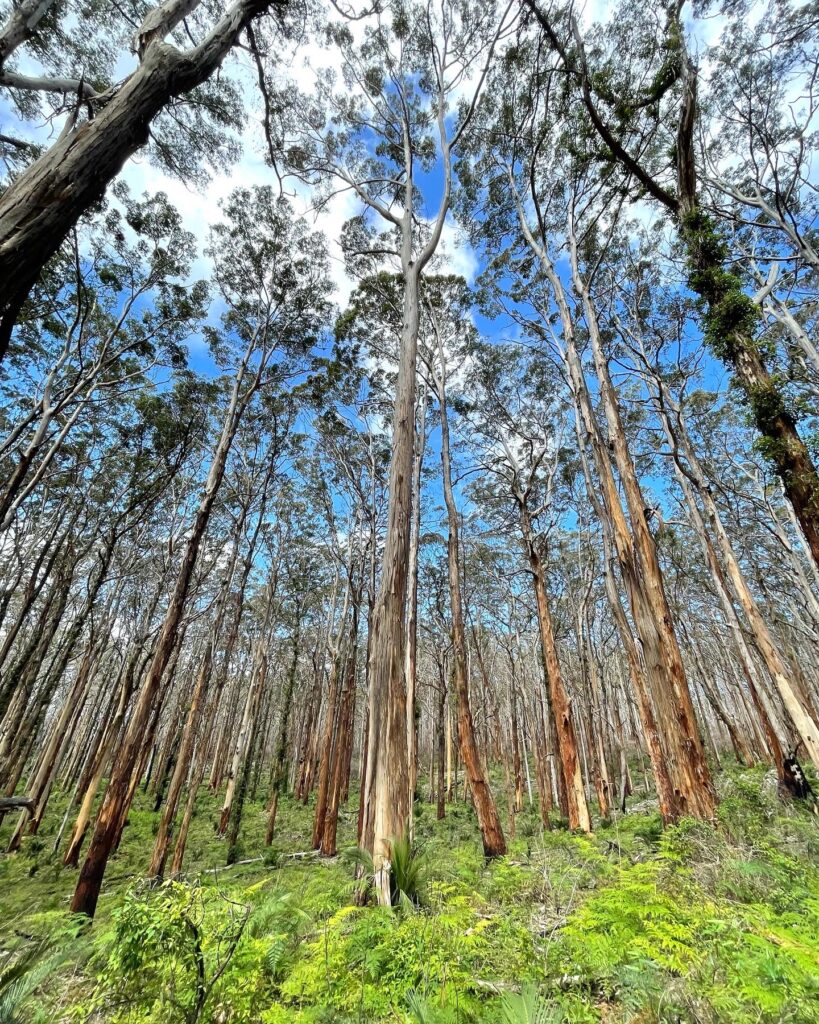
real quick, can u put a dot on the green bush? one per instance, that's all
(167, 952)
(653, 940)
(700, 923)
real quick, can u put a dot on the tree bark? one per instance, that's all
(343, 748)
(411, 668)
(387, 774)
(494, 843)
(181, 768)
(119, 792)
(578, 811)
(691, 475)
(42, 204)
(279, 778)
(331, 725)
(694, 789)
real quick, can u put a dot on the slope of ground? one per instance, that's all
(700, 923)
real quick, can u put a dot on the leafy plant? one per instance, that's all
(167, 953)
(21, 974)
(408, 866)
(282, 921)
(527, 1007)
(407, 869)
(424, 1009)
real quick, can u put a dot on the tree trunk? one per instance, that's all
(343, 748)
(386, 799)
(411, 669)
(42, 204)
(248, 723)
(182, 767)
(578, 811)
(279, 779)
(109, 738)
(330, 732)
(235, 823)
(440, 732)
(40, 786)
(494, 844)
(693, 475)
(116, 802)
(694, 788)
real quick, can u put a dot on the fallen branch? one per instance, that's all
(303, 855)
(496, 987)
(16, 803)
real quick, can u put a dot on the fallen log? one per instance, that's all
(16, 803)
(304, 855)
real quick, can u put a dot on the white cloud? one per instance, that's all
(199, 207)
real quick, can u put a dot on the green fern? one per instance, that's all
(282, 920)
(277, 955)
(279, 912)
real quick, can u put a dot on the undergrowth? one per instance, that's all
(696, 924)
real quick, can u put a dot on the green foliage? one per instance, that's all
(527, 1007)
(370, 957)
(283, 922)
(21, 974)
(698, 923)
(425, 1009)
(699, 932)
(731, 316)
(407, 869)
(168, 947)
(633, 917)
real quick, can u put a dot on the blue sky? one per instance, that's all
(200, 208)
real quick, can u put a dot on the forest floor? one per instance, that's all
(696, 923)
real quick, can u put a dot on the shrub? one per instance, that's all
(168, 948)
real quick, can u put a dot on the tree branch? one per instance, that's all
(11, 80)
(21, 25)
(581, 70)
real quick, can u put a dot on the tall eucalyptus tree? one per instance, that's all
(394, 119)
(272, 274)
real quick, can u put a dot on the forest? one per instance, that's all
(409, 512)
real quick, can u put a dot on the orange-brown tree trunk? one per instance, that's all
(343, 746)
(578, 811)
(494, 843)
(279, 777)
(119, 792)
